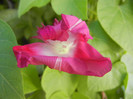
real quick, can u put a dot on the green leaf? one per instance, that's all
(37, 95)
(111, 80)
(31, 79)
(117, 20)
(128, 60)
(77, 95)
(54, 80)
(10, 77)
(59, 95)
(71, 7)
(26, 5)
(103, 43)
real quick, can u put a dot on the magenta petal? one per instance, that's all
(45, 33)
(68, 21)
(22, 57)
(24, 54)
(56, 22)
(88, 68)
(75, 25)
(52, 32)
(97, 67)
(95, 63)
(33, 54)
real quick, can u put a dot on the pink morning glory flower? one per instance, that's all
(65, 48)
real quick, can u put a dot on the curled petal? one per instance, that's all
(75, 25)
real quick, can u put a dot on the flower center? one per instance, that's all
(62, 48)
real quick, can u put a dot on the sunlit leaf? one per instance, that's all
(53, 80)
(71, 7)
(117, 20)
(31, 79)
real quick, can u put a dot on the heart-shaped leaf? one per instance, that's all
(117, 20)
(10, 77)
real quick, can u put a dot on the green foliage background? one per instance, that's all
(111, 25)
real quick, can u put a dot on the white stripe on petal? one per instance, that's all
(79, 21)
(58, 63)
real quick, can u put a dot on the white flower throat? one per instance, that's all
(62, 48)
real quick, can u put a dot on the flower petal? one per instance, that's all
(97, 67)
(75, 25)
(46, 32)
(87, 60)
(25, 54)
(33, 54)
(93, 61)
(56, 22)
(52, 32)
(36, 54)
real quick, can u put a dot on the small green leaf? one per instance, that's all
(10, 76)
(31, 79)
(117, 20)
(54, 80)
(71, 7)
(109, 81)
(26, 5)
(103, 43)
(128, 60)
